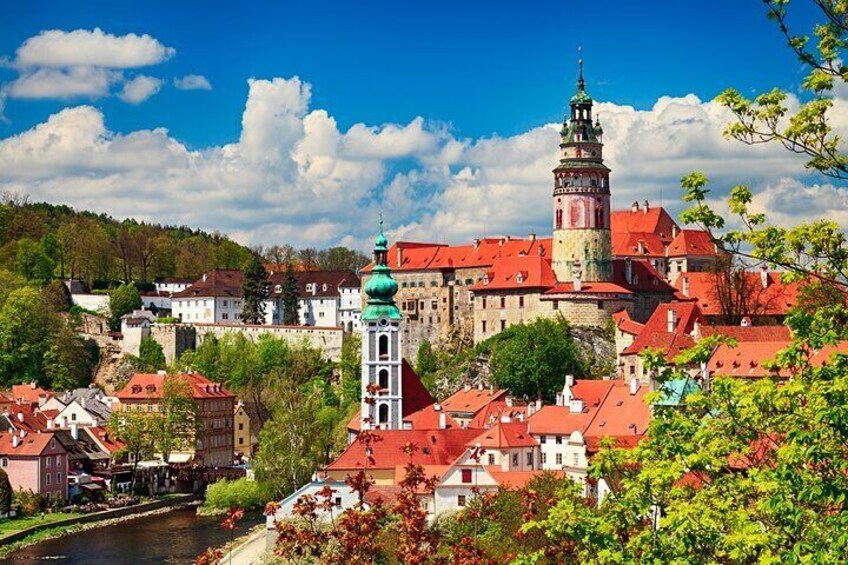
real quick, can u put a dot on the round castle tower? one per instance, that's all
(581, 238)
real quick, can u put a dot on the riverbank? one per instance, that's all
(52, 530)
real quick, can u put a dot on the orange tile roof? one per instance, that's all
(775, 299)
(560, 420)
(591, 391)
(503, 436)
(746, 359)
(655, 334)
(105, 439)
(638, 244)
(653, 220)
(28, 393)
(622, 415)
(749, 333)
(495, 410)
(526, 272)
(27, 417)
(471, 401)
(692, 243)
(436, 447)
(31, 445)
(626, 324)
(150, 386)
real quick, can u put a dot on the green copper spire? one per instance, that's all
(381, 287)
(581, 96)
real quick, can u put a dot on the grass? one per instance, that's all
(12, 525)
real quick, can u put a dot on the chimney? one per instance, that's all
(520, 416)
(635, 206)
(16, 441)
(508, 401)
(672, 320)
(75, 431)
(674, 230)
(575, 406)
(746, 322)
(49, 423)
(399, 255)
(443, 421)
(559, 397)
(685, 286)
(204, 277)
(20, 416)
(696, 329)
(480, 387)
(634, 386)
(538, 404)
(764, 278)
(64, 421)
(33, 385)
(628, 270)
(532, 237)
(476, 243)
(466, 387)
(161, 372)
(646, 206)
(641, 247)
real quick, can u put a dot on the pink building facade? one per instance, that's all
(37, 462)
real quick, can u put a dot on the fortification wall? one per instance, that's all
(329, 339)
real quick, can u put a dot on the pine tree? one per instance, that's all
(254, 291)
(291, 317)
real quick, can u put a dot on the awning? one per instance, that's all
(91, 486)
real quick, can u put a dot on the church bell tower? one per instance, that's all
(382, 397)
(581, 236)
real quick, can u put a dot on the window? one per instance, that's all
(434, 283)
(383, 414)
(383, 346)
(575, 459)
(529, 458)
(515, 460)
(466, 476)
(558, 440)
(521, 302)
(58, 478)
(241, 426)
(73, 416)
(503, 325)
(544, 458)
(460, 500)
(559, 458)
(542, 440)
(241, 441)
(483, 300)
(58, 460)
(383, 378)
(503, 301)
(600, 304)
(434, 304)
(338, 502)
(225, 303)
(48, 477)
(4, 462)
(225, 316)
(484, 326)
(49, 462)
(491, 458)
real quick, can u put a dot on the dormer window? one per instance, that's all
(324, 287)
(519, 278)
(278, 288)
(136, 389)
(150, 388)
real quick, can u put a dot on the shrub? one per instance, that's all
(6, 493)
(29, 502)
(240, 493)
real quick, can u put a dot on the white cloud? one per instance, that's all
(139, 89)
(82, 63)
(193, 82)
(294, 176)
(91, 48)
(92, 82)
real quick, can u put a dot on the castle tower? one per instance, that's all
(382, 397)
(582, 196)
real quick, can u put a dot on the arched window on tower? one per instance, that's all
(383, 414)
(383, 346)
(559, 219)
(383, 378)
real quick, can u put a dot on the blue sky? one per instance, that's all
(315, 117)
(483, 67)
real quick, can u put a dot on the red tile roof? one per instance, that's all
(695, 243)
(626, 324)
(504, 436)
(635, 244)
(471, 401)
(409, 256)
(147, 386)
(749, 333)
(518, 479)
(592, 391)
(526, 272)
(775, 299)
(29, 393)
(27, 417)
(105, 439)
(653, 220)
(226, 283)
(655, 334)
(622, 415)
(31, 445)
(495, 410)
(560, 420)
(745, 359)
(436, 447)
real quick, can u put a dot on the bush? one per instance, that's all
(29, 502)
(240, 493)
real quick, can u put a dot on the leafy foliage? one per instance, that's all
(239, 493)
(122, 300)
(6, 493)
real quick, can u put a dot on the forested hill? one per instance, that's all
(42, 241)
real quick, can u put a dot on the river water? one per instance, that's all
(175, 537)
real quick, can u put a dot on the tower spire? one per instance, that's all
(581, 84)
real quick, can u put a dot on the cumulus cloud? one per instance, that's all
(192, 82)
(90, 48)
(139, 89)
(85, 63)
(294, 176)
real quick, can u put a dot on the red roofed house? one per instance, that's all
(213, 445)
(35, 461)
(29, 393)
(626, 330)
(752, 359)
(760, 296)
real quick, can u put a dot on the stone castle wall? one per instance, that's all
(328, 339)
(174, 339)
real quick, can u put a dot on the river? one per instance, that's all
(176, 537)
